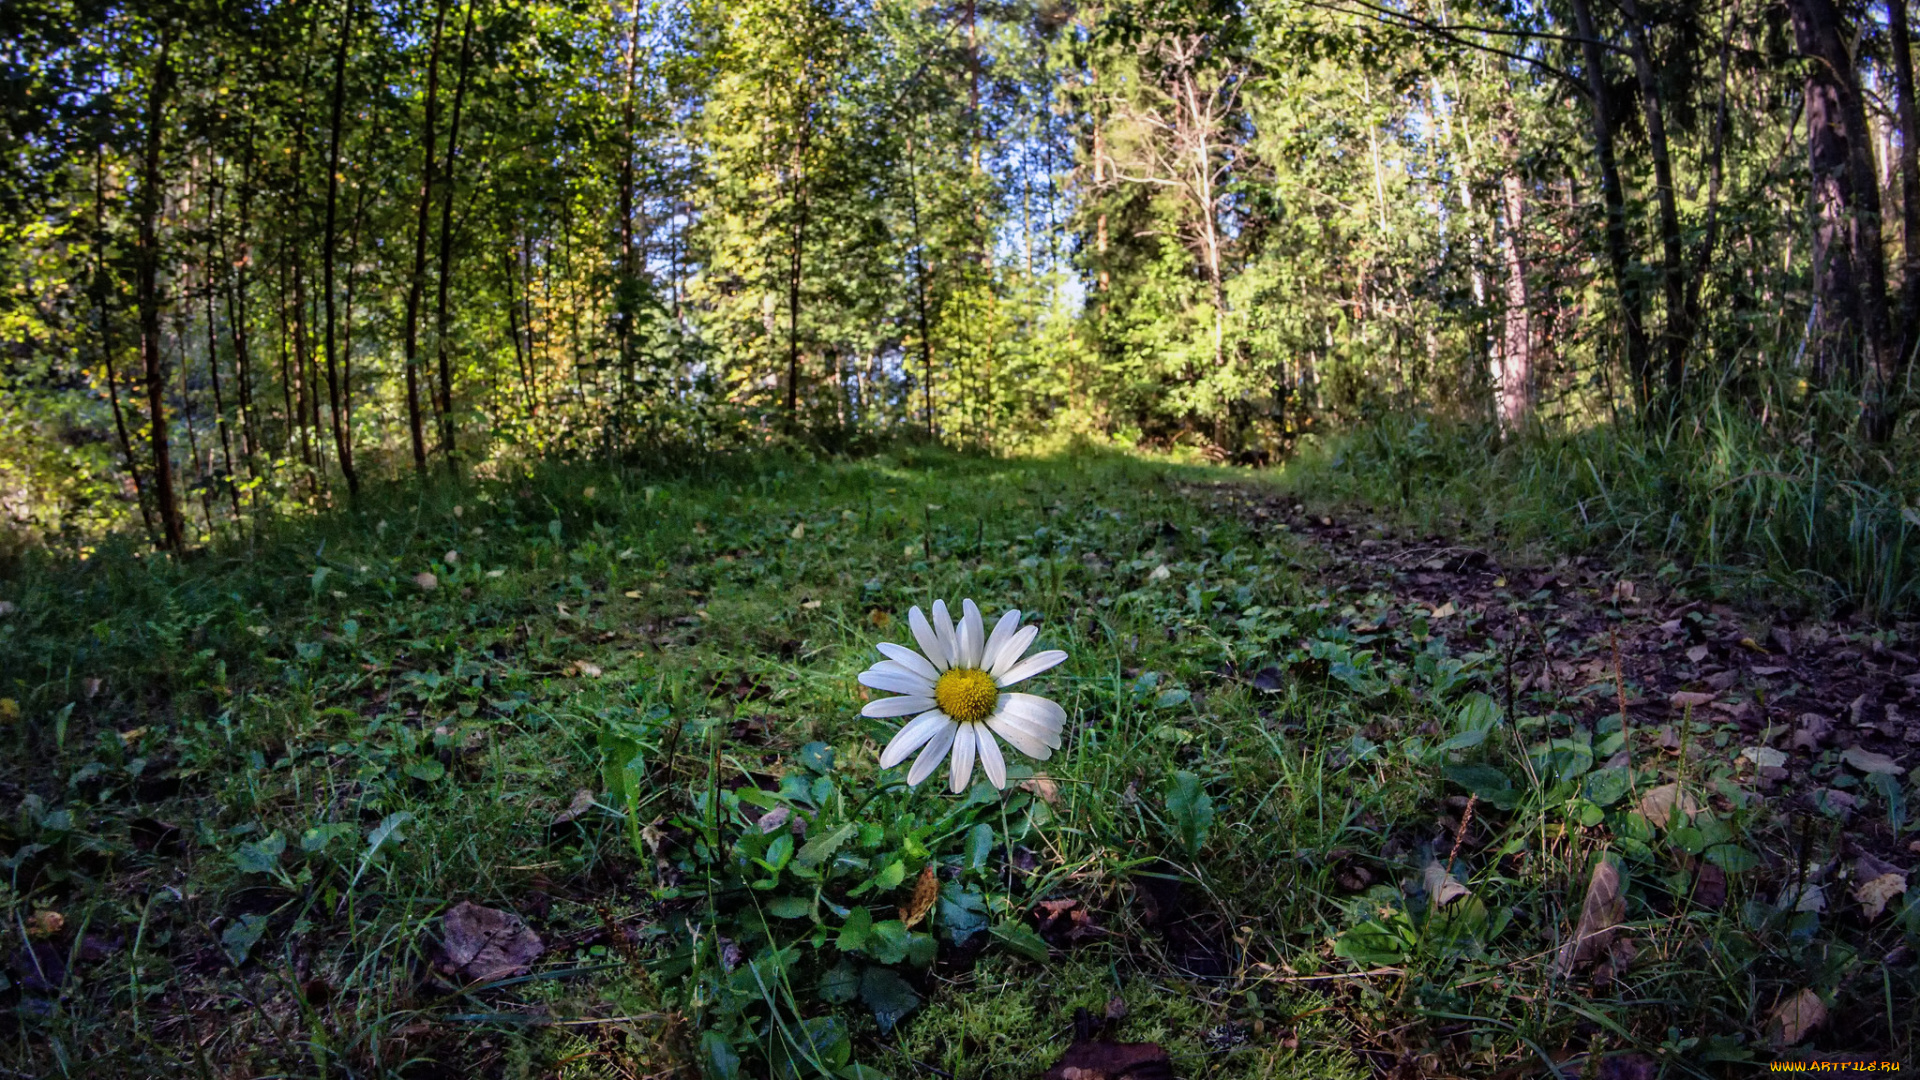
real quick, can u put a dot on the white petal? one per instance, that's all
(900, 682)
(911, 735)
(1035, 712)
(882, 708)
(973, 635)
(1013, 649)
(1034, 730)
(1031, 666)
(930, 756)
(990, 759)
(1019, 737)
(1002, 633)
(949, 638)
(930, 646)
(961, 769)
(910, 660)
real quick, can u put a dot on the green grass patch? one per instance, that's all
(246, 791)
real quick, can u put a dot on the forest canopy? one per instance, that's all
(256, 253)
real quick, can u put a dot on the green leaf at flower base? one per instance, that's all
(427, 770)
(888, 941)
(789, 907)
(821, 848)
(857, 1071)
(261, 856)
(855, 933)
(1732, 858)
(722, 1062)
(840, 984)
(1020, 938)
(241, 935)
(1604, 787)
(1190, 810)
(817, 756)
(320, 837)
(888, 995)
(962, 912)
(1488, 783)
(979, 846)
(1375, 944)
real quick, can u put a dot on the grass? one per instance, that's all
(1761, 508)
(249, 786)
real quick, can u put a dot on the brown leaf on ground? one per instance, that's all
(1710, 886)
(1043, 787)
(1659, 803)
(1683, 699)
(1602, 911)
(1867, 761)
(925, 892)
(1112, 1061)
(1874, 893)
(1064, 923)
(426, 581)
(582, 802)
(1795, 1018)
(483, 944)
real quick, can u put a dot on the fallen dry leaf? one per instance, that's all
(1657, 806)
(1445, 611)
(451, 558)
(1442, 887)
(483, 944)
(1605, 905)
(925, 892)
(426, 581)
(44, 924)
(879, 619)
(1764, 756)
(1043, 788)
(1690, 699)
(1874, 894)
(1088, 1060)
(1868, 761)
(1795, 1018)
(591, 671)
(582, 802)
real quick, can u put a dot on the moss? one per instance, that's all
(1013, 1019)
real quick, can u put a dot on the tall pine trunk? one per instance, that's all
(1613, 197)
(445, 407)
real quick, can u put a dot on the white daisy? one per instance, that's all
(955, 690)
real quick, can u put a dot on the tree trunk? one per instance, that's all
(445, 409)
(1907, 337)
(1513, 381)
(148, 288)
(416, 283)
(1613, 196)
(101, 285)
(628, 272)
(213, 368)
(794, 266)
(1673, 272)
(342, 443)
(1849, 281)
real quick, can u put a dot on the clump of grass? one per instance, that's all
(1772, 505)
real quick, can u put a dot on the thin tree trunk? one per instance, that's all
(1613, 196)
(794, 266)
(920, 285)
(445, 409)
(342, 445)
(237, 314)
(1907, 339)
(628, 276)
(101, 284)
(148, 277)
(213, 368)
(416, 283)
(1673, 271)
(1513, 384)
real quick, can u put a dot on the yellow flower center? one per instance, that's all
(966, 694)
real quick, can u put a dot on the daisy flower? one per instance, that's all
(954, 687)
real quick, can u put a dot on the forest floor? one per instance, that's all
(563, 775)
